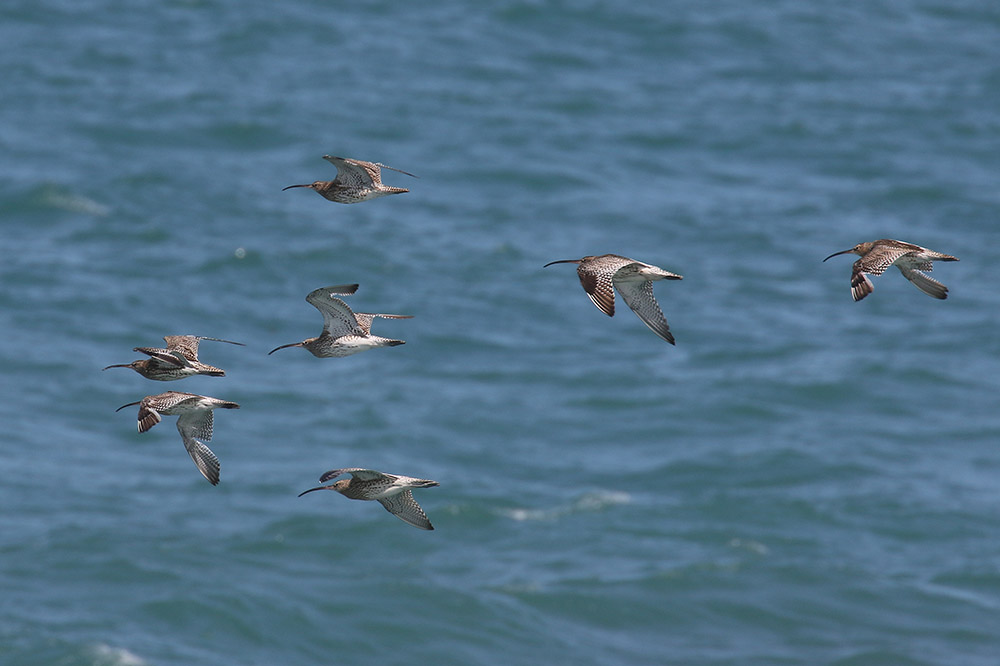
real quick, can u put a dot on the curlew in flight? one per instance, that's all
(345, 332)
(393, 492)
(194, 422)
(177, 361)
(356, 181)
(911, 260)
(600, 276)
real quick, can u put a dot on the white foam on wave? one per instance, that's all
(107, 655)
(526, 514)
(601, 499)
(73, 202)
(595, 501)
(750, 545)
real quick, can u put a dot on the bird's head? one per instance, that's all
(861, 249)
(135, 365)
(316, 185)
(339, 486)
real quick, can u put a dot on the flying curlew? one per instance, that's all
(392, 491)
(177, 361)
(911, 260)
(356, 181)
(345, 332)
(600, 276)
(194, 422)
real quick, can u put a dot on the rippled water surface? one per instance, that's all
(801, 480)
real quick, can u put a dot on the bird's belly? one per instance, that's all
(345, 346)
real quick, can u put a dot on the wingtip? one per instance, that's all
(861, 286)
(338, 289)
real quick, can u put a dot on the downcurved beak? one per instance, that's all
(312, 489)
(125, 365)
(291, 186)
(562, 261)
(294, 344)
(131, 404)
(839, 253)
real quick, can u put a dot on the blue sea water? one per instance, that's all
(801, 480)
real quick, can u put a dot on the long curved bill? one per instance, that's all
(562, 261)
(837, 254)
(120, 365)
(312, 489)
(294, 344)
(291, 186)
(131, 404)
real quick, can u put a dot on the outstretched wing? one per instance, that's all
(357, 472)
(404, 507)
(365, 319)
(338, 318)
(206, 461)
(151, 406)
(924, 283)
(638, 294)
(340, 289)
(861, 286)
(183, 345)
(386, 166)
(187, 345)
(196, 424)
(599, 286)
(165, 356)
(148, 418)
(355, 173)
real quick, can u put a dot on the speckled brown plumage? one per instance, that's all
(356, 181)
(194, 423)
(345, 332)
(391, 490)
(177, 361)
(911, 260)
(601, 275)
